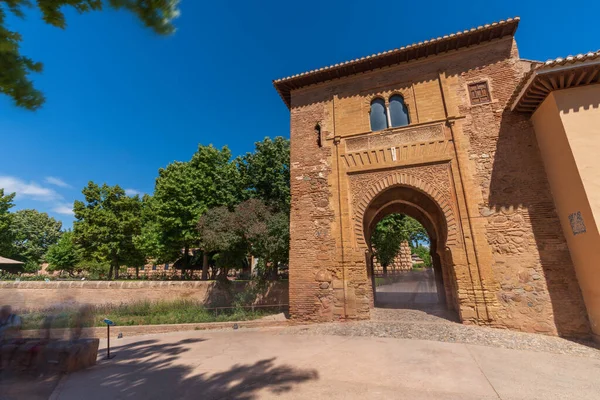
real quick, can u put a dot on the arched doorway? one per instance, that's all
(402, 265)
(414, 203)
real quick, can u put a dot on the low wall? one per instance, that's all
(34, 295)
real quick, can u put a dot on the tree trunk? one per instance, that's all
(110, 273)
(186, 258)
(204, 266)
(274, 272)
(384, 270)
(115, 266)
(137, 272)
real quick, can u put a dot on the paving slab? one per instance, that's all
(264, 364)
(527, 375)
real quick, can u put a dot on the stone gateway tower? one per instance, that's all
(428, 130)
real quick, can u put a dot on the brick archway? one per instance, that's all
(401, 179)
(404, 193)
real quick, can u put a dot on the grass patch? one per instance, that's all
(144, 313)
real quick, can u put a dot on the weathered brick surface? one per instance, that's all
(41, 295)
(499, 242)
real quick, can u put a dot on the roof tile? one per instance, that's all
(387, 57)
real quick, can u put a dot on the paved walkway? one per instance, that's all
(265, 363)
(415, 289)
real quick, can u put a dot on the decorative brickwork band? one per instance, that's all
(403, 179)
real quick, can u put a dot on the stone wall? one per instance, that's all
(41, 295)
(537, 290)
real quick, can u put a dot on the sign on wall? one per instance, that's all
(577, 224)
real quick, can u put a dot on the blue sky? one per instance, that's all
(123, 102)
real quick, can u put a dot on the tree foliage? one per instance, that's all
(266, 230)
(416, 232)
(14, 78)
(33, 232)
(223, 238)
(252, 228)
(265, 173)
(183, 192)
(228, 209)
(6, 239)
(64, 255)
(391, 231)
(106, 224)
(387, 237)
(425, 254)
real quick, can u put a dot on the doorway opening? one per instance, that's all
(403, 265)
(414, 270)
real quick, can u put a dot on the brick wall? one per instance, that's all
(41, 295)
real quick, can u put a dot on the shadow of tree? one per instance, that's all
(148, 369)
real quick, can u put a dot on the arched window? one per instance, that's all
(378, 115)
(398, 111)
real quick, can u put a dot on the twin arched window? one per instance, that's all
(383, 116)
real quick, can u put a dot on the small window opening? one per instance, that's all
(479, 93)
(318, 134)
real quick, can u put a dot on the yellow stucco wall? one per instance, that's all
(580, 114)
(567, 126)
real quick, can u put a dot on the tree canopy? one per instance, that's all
(389, 234)
(6, 240)
(265, 173)
(64, 255)
(33, 232)
(252, 228)
(387, 237)
(183, 192)
(226, 208)
(106, 224)
(14, 79)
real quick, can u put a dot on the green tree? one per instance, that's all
(391, 231)
(33, 232)
(267, 232)
(64, 255)
(252, 228)
(266, 172)
(6, 239)
(14, 79)
(425, 254)
(106, 224)
(221, 237)
(416, 232)
(150, 241)
(183, 192)
(387, 237)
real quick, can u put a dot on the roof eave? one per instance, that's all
(532, 91)
(440, 45)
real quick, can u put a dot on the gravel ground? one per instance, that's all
(438, 325)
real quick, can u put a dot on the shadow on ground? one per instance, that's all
(149, 369)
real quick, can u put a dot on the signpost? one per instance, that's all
(108, 323)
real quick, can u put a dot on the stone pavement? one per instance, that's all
(263, 363)
(415, 289)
